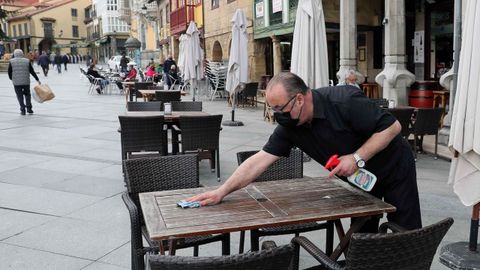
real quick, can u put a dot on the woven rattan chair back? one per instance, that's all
(284, 168)
(404, 117)
(413, 250)
(277, 258)
(187, 106)
(200, 132)
(167, 96)
(155, 87)
(382, 102)
(144, 106)
(427, 121)
(142, 133)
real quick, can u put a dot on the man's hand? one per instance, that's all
(207, 198)
(346, 167)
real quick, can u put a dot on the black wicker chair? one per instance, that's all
(284, 168)
(270, 258)
(155, 87)
(249, 95)
(156, 174)
(404, 117)
(412, 250)
(167, 96)
(144, 106)
(139, 86)
(427, 122)
(382, 102)
(187, 106)
(142, 134)
(201, 134)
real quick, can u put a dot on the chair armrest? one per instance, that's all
(316, 253)
(392, 226)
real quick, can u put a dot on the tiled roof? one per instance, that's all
(41, 8)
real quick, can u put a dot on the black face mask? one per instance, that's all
(285, 119)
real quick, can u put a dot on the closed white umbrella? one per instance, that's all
(464, 138)
(465, 128)
(193, 53)
(181, 52)
(237, 73)
(309, 49)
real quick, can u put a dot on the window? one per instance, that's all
(74, 12)
(168, 13)
(14, 30)
(215, 4)
(20, 30)
(75, 31)
(25, 27)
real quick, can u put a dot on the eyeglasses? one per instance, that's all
(283, 107)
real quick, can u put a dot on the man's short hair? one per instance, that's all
(292, 83)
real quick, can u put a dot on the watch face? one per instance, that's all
(361, 163)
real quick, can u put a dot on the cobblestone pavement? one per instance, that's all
(61, 180)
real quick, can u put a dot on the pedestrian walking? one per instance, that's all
(58, 61)
(65, 61)
(123, 63)
(19, 70)
(44, 62)
(52, 59)
(166, 70)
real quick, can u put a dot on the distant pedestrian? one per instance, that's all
(44, 61)
(88, 60)
(123, 63)
(58, 61)
(19, 70)
(65, 61)
(52, 59)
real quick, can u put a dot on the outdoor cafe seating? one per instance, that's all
(144, 106)
(427, 122)
(157, 174)
(284, 168)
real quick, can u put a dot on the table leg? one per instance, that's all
(172, 246)
(345, 240)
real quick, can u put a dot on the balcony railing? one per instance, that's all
(180, 18)
(125, 13)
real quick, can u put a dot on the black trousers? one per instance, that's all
(23, 93)
(400, 190)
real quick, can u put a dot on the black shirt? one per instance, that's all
(344, 119)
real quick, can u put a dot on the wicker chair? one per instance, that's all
(167, 96)
(404, 116)
(270, 258)
(249, 95)
(427, 122)
(187, 106)
(139, 86)
(201, 134)
(155, 87)
(382, 102)
(284, 168)
(142, 134)
(156, 174)
(413, 250)
(144, 106)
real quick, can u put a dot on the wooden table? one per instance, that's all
(148, 94)
(260, 205)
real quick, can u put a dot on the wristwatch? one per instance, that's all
(358, 160)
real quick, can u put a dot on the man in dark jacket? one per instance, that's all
(58, 61)
(44, 61)
(166, 70)
(19, 70)
(65, 61)
(123, 63)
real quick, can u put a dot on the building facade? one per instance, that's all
(42, 25)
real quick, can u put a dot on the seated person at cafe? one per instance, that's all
(324, 122)
(174, 79)
(151, 74)
(350, 79)
(94, 73)
(131, 76)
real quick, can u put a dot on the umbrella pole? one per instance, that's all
(474, 228)
(233, 123)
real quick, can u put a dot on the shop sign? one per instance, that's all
(419, 47)
(259, 9)
(277, 6)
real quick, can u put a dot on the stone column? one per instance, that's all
(277, 55)
(395, 78)
(348, 40)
